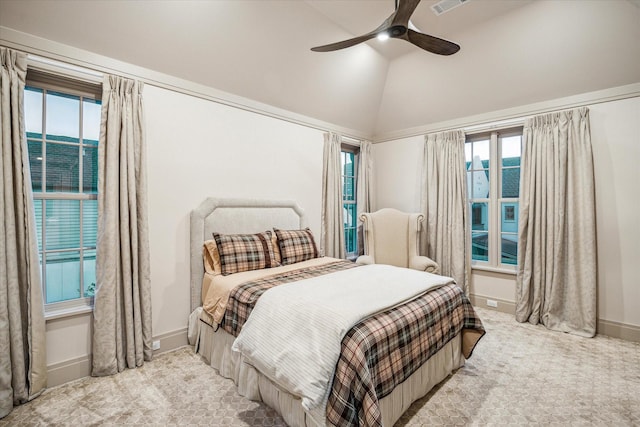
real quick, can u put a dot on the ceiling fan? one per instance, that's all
(398, 26)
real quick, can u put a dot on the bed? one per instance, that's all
(379, 400)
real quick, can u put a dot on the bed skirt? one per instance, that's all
(215, 347)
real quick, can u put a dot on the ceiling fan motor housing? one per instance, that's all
(396, 31)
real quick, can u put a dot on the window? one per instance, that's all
(509, 213)
(62, 121)
(493, 182)
(349, 156)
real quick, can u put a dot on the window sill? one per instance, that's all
(494, 269)
(67, 312)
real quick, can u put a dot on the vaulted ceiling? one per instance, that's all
(514, 52)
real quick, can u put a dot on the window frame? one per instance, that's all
(495, 200)
(354, 149)
(84, 90)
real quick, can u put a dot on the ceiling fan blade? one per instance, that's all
(344, 44)
(403, 12)
(430, 43)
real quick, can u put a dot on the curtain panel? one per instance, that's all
(122, 335)
(332, 233)
(365, 191)
(444, 204)
(556, 281)
(23, 370)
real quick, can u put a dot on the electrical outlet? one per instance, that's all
(492, 303)
(156, 345)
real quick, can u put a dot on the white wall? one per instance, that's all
(198, 149)
(615, 135)
(397, 173)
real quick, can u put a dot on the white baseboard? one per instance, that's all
(80, 367)
(503, 306)
(69, 370)
(604, 327)
(619, 330)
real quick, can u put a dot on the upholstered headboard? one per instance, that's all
(232, 216)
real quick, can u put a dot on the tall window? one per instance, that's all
(349, 157)
(62, 121)
(493, 182)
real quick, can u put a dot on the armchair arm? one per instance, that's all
(365, 259)
(423, 263)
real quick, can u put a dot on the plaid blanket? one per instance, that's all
(383, 350)
(380, 352)
(243, 298)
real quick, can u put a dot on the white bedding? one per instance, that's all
(216, 288)
(313, 315)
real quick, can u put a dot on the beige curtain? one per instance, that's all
(365, 191)
(23, 370)
(122, 312)
(444, 204)
(556, 282)
(332, 233)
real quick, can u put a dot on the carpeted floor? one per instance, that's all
(518, 374)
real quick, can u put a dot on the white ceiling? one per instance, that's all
(514, 52)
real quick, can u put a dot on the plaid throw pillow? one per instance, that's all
(245, 252)
(296, 245)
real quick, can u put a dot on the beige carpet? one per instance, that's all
(519, 374)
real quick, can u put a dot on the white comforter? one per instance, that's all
(294, 333)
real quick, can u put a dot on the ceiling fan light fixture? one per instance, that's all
(398, 26)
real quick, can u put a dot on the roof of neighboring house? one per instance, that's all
(509, 247)
(510, 175)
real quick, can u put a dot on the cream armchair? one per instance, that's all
(391, 237)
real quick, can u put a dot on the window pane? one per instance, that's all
(37, 204)
(349, 214)
(480, 246)
(62, 224)
(509, 236)
(481, 154)
(63, 117)
(35, 164)
(350, 240)
(348, 190)
(33, 112)
(63, 173)
(63, 276)
(511, 150)
(509, 217)
(511, 182)
(509, 249)
(89, 273)
(350, 224)
(467, 153)
(90, 170)
(89, 222)
(90, 121)
(347, 163)
(478, 184)
(480, 216)
(41, 269)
